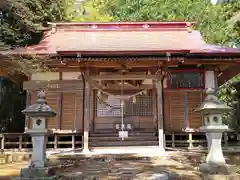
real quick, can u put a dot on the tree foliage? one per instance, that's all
(211, 20)
(225, 94)
(12, 101)
(89, 14)
(22, 21)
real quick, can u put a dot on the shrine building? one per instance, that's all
(126, 83)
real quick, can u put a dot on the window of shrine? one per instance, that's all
(185, 80)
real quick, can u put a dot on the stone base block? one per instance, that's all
(222, 177)
(38, 178)
(210, 169)
(47, 173)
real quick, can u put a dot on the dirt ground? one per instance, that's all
(7, 171)
(184, 167)
(179, 165)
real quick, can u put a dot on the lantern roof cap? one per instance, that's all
(40, 108)
(212, 103)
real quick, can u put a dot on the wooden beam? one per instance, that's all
(211, 61)
(107, 64)
(53, 85)
(122, 77)
(117, 88)
(227, 74)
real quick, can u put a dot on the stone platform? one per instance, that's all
(219, 172)
(137, 150)
(47, 173)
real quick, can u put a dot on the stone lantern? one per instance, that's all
(212, 111)
(39, 114)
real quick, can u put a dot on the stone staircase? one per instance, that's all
(113, 140)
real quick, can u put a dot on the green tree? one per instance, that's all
(212, 21)
(23, 21)
(225, 94)
(88, 12)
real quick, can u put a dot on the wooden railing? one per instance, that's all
(194, 140)
(22, 141)
(197, 140)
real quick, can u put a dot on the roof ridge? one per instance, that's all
(145, 24)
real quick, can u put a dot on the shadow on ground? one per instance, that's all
(131, 167)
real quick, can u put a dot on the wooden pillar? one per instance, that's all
(86, 121)
(173, 140)
(2, 141)
(28, 103)
(159, 87)
(91, 124)
(59, 119)
(20, 142)
(190, 141)
(55, 141)
(154, 102)
(73, 141)
(186, 119)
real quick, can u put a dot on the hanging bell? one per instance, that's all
(99, 93)
(104, 97)
(134, 99)
(145, 92)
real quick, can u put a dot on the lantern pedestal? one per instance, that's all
(39, 141)
(215, 161)
(214, 138)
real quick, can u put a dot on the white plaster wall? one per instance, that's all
(210, 79)
(71, 75)
(45, 76)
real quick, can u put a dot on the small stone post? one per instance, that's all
(39, 114)
(212, 111)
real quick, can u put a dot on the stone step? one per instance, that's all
(123, 143)
(131, 138)
(116, 134)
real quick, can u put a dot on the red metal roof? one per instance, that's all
(125, 37)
